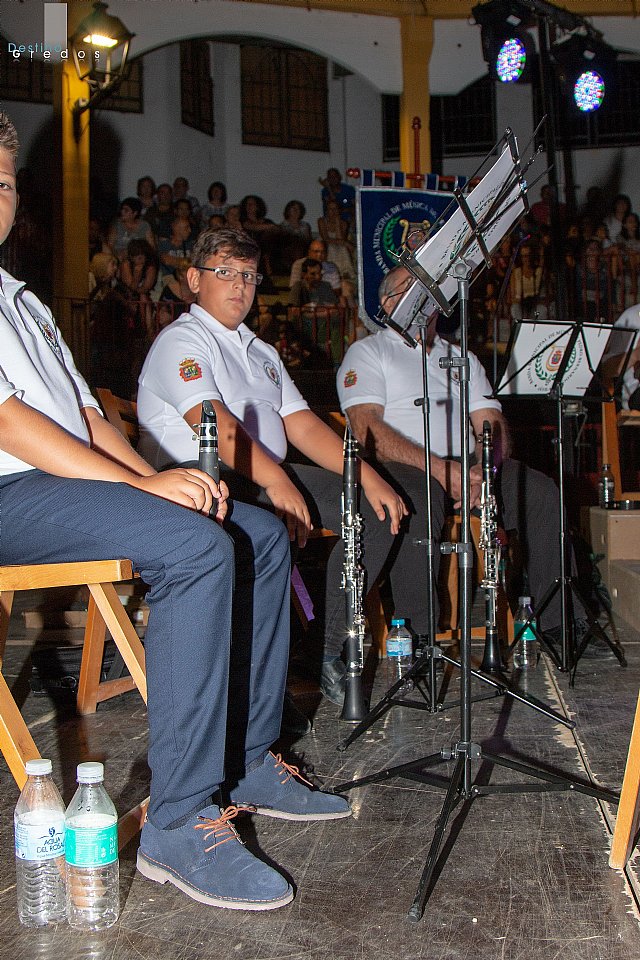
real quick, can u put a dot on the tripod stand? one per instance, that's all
(566, 349)
(460, 785)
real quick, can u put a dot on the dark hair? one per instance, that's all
(221, 187)
(161, 186)
(137, 246)
(623, 230)
(261, 207)
(8, 136)
(183, 200)
(133, 203)
(292, 203)
(309, 262)
(235, 243)
(146, 180)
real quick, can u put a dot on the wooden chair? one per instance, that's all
(628, 816)
(105, 610)
(612, 421)
(122, 414)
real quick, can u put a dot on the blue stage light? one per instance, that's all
(511, 60)
(588, 91)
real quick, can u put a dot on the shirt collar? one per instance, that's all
(9, 286)
(242, 336)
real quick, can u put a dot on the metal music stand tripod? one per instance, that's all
(460, 785)
(564, 346)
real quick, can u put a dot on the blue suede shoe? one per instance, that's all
(273, 790)
(208, 861)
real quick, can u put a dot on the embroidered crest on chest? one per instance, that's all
(49, 332)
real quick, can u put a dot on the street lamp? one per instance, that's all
(100, 47)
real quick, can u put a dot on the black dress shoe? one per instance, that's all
(294, 721)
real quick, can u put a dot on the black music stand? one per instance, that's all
(558, 353)
(460, 785)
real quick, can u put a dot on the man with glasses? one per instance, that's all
(210, 354)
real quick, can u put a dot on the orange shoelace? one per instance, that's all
(287, 770)
(221, 828)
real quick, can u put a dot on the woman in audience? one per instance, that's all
(334, 231)
(526, 286)
(176, 290)
(293, 221)
(253, 217)
(628, 243)
(232, 217)
(295, 236)
(216, 202)
(139, 271)
(146, 191)
(129, 226)
(615, 222)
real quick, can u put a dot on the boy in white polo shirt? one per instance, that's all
(210, 354)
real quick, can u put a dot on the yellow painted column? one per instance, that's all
(417, 44)
(70, 178)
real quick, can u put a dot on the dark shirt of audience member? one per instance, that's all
(139, 271)
(129, 226)
(181, 192)
(177, 290)
(216, 204)
(542, 211)
(111, 327)
(232, 217)
(614, 222)
(160, 215)
(175, 250)
(594, 205)
(312, 289)
(334, 189)
(146, 191)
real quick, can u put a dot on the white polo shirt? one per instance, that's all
(382, 369)
(196, 358)
(36, 366)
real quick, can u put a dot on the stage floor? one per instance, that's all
(527, 876)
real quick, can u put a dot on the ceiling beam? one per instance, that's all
(451, 9)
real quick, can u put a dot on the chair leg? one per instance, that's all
(6, 603)
(92, 652)
(16, 742)
(124, 634)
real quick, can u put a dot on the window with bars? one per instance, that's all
(284, 98)
(465, 123)
(196, 85)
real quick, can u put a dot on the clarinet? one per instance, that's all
(208, 460)
(490, 546)
(352, 582)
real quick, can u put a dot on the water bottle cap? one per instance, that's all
(397, 623)
(92, 772)
(524, 601)
(38, 768)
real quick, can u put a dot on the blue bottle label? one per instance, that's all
(86, 847)
(43, 841)
(393, 647)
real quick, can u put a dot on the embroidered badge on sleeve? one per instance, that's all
(350, 378)
(189, 369)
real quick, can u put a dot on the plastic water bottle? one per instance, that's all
(606, 488)
(399, 653)
(525, 656)
(39, 835)
(92, 853)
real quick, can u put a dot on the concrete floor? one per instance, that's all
(527, 875)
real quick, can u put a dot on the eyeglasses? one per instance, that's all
(230, 273)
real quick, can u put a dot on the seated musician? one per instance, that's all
(71, 488)
(378, 382)
(210, 354)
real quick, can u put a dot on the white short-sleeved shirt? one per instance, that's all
(36, 366)
(196, 358)
(382, 369)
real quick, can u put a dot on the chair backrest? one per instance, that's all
(122, 414)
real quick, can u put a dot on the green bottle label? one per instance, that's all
(528, 633)
(91, 848)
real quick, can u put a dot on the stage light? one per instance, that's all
(511, 60)
(588, 91)
(507, 47)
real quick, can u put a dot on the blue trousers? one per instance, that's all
(216, 657)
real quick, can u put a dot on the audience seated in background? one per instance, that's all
(334, 189)
(311, 288)
(295, 236)
(335, 233)
(233, 218)
(160, 215)
(146, 191)
(129, 226)
(615, 220)
(216, 204)
(139, 270)
(330, 273)
(181, 192)
(175, 250)
(111, 327)
(176, 289)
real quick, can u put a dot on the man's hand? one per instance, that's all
(290, 506)
(453, 483)
(187, 487)
(381, 495)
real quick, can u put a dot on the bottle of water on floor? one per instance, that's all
(399, 653)
(526, 653)
(92, 853)
(39, 837)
